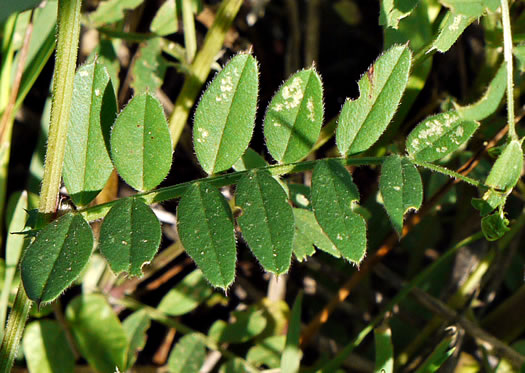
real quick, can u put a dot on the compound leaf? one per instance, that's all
(401, 188)
(188, 355)
(141, 144)
(87, 164)
(56, 257)
(46, 348)
(225, 116)
(130, 236)
(294, 117)
(439, 135)
(267, 220)
(98, 333)
(205, 226)
(333, 196)
(186, 295)
(505, 173)
(362, 121)
(487, 104)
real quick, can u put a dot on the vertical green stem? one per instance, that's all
(190, 39)
(201, 67)
(507, 52)
(66, 57)
(68, 34)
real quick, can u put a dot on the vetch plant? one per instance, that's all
(275, 224)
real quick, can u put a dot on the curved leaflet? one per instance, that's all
(225, 116)
(130, 236)
(267, 220)
(205, 226)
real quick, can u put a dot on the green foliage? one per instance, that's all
(384, 349)
(135, 326)
(294, 117)
(130, 236)
(140, 143)
(111, 11)
(165, 21)
(507, 170)
(267, 220)
(292, 353)
(439, 135)
(392, 11)
(401, 189)
(87, 164)
(307, 234)
(205, 225)
(10, 8)
(56, 257)
(246, 325)
(450, 30)
(225, 117)
(333, 197)
(188, 355)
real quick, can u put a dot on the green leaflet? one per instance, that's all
(188, 354)
(87, 164)
(186, 295)
(56, 257)
(205, 226)
(11, 7)
(46, 348)
(519, 53)
(384, 361)
(225, 116)
(471, 8)
(250, 159)
(362, 121)
(165, 21)
(401, 189)
(268, 352)
(112, 11)
(141, 144)
(333, 194)
(98, 333)
(294, 117)
(439, 135)
(450, 30)
(505, 173)
(308, 233)
(392, 11)
(149, 67)
(135, 326)
(292, 354)
(489, 103)
(267, 220)
(247, 325)
(130, 236)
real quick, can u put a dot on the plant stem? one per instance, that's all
(68, 35)
(176, 191)
(67, 45)
(201, 67)
(507, 52)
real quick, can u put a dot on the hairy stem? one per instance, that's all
(507, 52)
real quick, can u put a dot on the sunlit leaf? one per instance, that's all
(165, 21)
(506, 171)
(384, 361)
(267, 220)
(225, 116)
(130, 236)
(56, 257)
(439, 135)
(294, 117)
(268, 352)
(112, 11)
(401, 189)
(362, 121)
(392, 11)
(292, 354)
(99, 336)
(205, 226)
(490, 101)
(333, 196)
(186, 295)
(450, 29)
(46, 348)
(246, 325)
(471, 8)
(87, 164)
(141, 144)
(188, 354)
